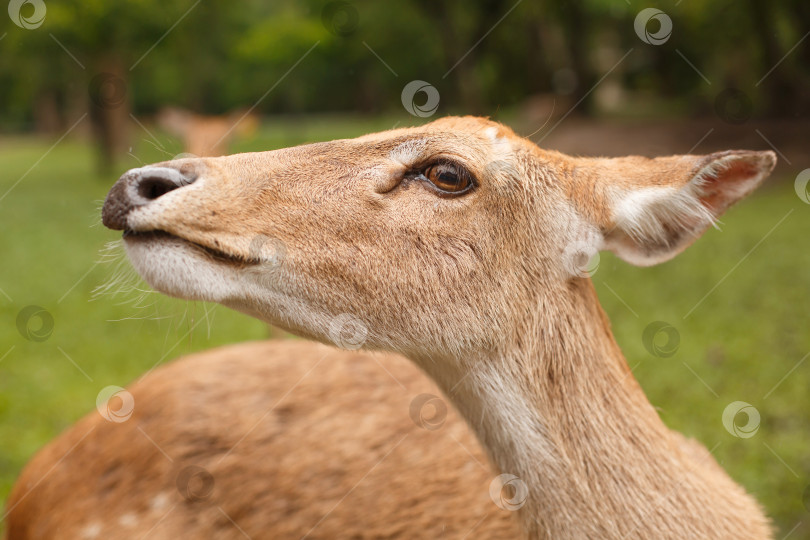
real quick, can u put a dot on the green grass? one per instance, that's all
(748, 331)
(738, 300)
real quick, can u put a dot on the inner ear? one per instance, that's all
(726, 180)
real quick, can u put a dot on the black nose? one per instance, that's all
(139, 187)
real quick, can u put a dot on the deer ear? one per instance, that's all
(658, 207)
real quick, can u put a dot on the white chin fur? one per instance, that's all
(181, 269)
(178, 268)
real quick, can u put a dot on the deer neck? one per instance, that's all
(559, 409)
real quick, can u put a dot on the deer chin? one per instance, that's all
(184, 269)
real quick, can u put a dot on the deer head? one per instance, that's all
(437, 238)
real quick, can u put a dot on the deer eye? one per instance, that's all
(448, 178)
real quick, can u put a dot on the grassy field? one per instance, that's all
(737, 299)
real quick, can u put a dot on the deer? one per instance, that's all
(206, 135)
(456, 245)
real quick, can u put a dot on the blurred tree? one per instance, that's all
(213, 56)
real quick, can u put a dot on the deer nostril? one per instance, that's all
(152, 187)
(139, 187)
(155, 183)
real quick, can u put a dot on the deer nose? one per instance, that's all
(139, 187)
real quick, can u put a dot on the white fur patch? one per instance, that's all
(646, 213)
(160, 501)
(408, 152)
(492, 133)
(128, 520)
(177, 268)
(91, 531)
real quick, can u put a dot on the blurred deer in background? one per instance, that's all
(458, 245)
(206, 135)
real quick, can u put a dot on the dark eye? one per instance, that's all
(448, 177)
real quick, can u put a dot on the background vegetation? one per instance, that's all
(224, 54)
(575, 75)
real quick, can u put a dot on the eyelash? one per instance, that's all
(421, 173)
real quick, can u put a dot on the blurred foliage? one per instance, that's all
(216, 55)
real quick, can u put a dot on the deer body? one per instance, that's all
(456, 244)
(300, 440)
(205, 135)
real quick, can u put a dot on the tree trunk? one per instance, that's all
(109, 107)
(48, 119)
(575, 25)
(781, 93)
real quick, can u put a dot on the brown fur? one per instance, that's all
(329, 449)
(476, 290)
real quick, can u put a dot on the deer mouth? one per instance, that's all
(215, 254)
